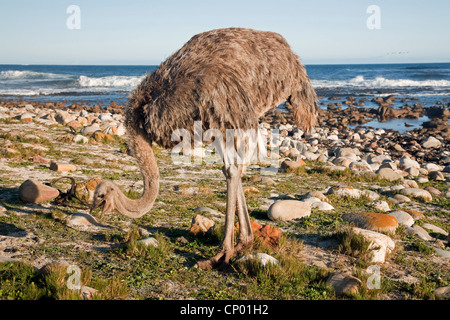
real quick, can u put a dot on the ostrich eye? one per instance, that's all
(100, 196)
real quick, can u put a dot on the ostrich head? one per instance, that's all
(106, 193)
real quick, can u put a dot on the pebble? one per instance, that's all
(150, 241)
(345, 192)
(430, 142)
(344, 283)
(32, 191)
(62, 167)
(262, 258)
(287, 210)
(80, 219)
(381, 205)
(201, 225)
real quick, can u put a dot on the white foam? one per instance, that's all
(18, 74)
(110, 81)
(379, 82)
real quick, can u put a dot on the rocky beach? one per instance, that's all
(347, 199)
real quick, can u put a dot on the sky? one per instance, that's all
(142, 32)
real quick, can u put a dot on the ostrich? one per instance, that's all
(227, 79)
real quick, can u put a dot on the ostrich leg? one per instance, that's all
(233, 177)
(245, 229)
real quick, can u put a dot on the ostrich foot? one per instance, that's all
(219, 261)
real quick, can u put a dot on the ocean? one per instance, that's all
(425, 83)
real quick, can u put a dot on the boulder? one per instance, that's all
(402, 217)
(417, 193)
(380, 244)
(287, 210)
(32, 191)
(430, 142)
(372, 221)
(388, 174)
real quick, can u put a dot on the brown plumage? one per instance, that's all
(227, 79)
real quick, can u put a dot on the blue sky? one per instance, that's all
(147, 32)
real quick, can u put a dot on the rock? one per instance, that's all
(344, 162)
(87, 293)
(432, 167)
(201, 225)
(262, 258)
(80, 219)
(150, 241)
(415, 214)
(422, 180)
(80, 139)
(380, 244)
(288, 165)
(372, 221)
(401, 198)
(402, 217)
(436, 175)
(317, 194)
(381, 205)
(62, 167)
(434, 229)
(430, 142)
(372, 195)
(345, 192)
(410, 184)
(343, 283)
(322, 206)
(32, 191)
(420, 232)
(74, 124)
(433, 191)
(442, 292)
(63, 117)
(406, 162)
(287, 210)
(388, 174)
(417, 193)
(269, 235)
(209, 210)
(443, 253)
(88, 130)
(311, 200)
(412, 172)
(360, 166)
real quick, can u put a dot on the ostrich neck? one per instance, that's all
(143, 153)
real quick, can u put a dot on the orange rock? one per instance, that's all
(268, 234)
(300, 162)
(250, 189)
(27, 120)
(373, 221)
(415, 214)
(62, 167)
(201, 225)
(74, 124)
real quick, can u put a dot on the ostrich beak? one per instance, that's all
(96, 205)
